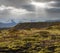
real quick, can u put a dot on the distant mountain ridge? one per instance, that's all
(7, 25)
(24, 25)
(53, 20)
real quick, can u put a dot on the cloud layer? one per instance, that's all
(24, 11)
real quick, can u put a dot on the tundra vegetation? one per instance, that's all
(33, 40)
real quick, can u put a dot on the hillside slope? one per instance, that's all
(31, 38)
(35, 25)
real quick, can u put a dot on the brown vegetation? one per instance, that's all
(31, 38)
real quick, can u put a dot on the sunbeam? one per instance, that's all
(39, 4)
(39, 8)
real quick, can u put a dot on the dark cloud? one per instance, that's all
(28, 7)
(22, 10)
(15, 3)
(53, 10)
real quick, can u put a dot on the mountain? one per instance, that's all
(27, 25)
(7, 25)
(53, 20)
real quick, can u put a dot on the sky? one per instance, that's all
(29, 10)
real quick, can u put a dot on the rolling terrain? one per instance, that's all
(35, 37)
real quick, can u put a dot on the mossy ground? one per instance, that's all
(45, 40)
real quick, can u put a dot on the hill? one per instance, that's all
(36, 37)
(35, 25)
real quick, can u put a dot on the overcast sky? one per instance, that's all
(26, 11)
